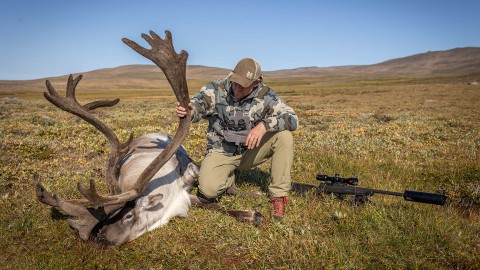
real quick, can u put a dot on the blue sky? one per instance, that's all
(50, 38)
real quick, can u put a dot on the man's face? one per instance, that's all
(240, 91)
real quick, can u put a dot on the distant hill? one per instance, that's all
(123, 77)
(152, 72)
(457, 61)
(451, 62)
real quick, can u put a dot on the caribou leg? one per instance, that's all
(249, 216)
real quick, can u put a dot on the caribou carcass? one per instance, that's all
(149, 177)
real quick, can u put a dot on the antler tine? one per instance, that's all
(164, 56)
(85, 218)
(71, 105)
(100, 103)
(72, 85)
(92, 195)
(173, 66)
(46, 197)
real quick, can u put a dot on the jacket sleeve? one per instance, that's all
(203, 102)
(279, 116)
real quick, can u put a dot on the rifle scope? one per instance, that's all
(337, 179)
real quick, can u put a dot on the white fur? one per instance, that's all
(168, 181)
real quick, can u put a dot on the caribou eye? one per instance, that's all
(128, 217)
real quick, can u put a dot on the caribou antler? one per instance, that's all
(87, 217)
(71, 105)
(174, 66)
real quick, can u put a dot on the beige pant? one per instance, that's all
(217, 169)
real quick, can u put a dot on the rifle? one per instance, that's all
(349, 186)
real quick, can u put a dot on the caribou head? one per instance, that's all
(149, 178)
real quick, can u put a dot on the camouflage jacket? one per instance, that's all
(215, 100)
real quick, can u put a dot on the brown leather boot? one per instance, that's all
(278, 207)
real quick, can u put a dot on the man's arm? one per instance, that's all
(203, 103)
(255, 136)
(279, 116)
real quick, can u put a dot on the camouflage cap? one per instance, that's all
(246, 72)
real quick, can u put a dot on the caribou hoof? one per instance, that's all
(258, 218)
(248, 216)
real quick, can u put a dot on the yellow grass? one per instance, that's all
(392, 133)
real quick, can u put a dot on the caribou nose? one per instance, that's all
(100, 239)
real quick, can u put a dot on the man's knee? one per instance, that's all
(210, 192)
(284, 138)
(210, 189)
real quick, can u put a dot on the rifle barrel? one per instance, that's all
(425, 197)
(417, 196)
(408, 195)
(378, 191)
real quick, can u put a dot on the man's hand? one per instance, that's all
(182, 112)
(255, 136)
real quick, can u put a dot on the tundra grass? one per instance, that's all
(419, 136)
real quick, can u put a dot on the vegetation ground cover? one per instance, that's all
(394, 134)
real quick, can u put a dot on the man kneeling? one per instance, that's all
(248, 124)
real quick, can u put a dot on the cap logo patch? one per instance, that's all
(249, 75)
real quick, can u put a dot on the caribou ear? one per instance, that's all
(190, 176)
(151, 202)
(193, 170)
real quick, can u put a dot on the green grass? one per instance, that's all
(421, 134)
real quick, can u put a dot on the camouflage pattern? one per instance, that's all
(215, 100)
